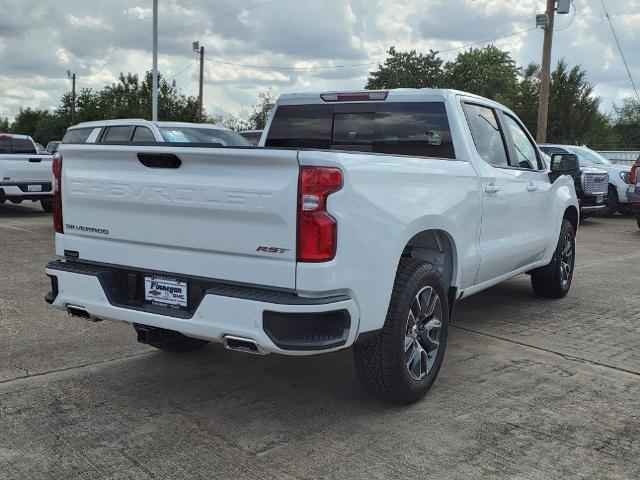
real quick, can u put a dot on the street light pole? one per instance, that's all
(545, 72)
(154, 86)
(73, 96)
(200, 50)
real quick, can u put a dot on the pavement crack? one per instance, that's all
(565, 356)
(74, 367)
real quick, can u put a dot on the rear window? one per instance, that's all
(396, 128)
(23, 145)
(77, 135)
(213, 136)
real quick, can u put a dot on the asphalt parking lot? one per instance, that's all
(530, 388)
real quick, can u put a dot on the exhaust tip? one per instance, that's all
(80, 312)
(241, 344)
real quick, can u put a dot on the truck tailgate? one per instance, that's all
(25, 168)
(224, 213)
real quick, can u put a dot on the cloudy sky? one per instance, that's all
(41, 39)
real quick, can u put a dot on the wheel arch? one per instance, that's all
(437, 247)
(571, 213)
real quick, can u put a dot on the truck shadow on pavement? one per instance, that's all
(21, 210)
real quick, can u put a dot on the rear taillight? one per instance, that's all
(633, 175)
(317, 230)
(57, 193)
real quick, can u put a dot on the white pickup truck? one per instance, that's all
(361, 222)
(25, 174)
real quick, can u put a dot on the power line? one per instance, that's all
(181, 71)
(624, 60)
(326, 67)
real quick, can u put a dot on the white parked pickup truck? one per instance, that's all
(25, 174)
(361, 222)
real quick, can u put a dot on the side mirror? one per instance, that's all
(564, 163)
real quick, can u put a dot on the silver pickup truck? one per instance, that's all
(25, 174)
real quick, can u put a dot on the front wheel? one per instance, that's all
(613, 204)
(554, 280)
(402, 362)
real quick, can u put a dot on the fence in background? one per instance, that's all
(626, 157)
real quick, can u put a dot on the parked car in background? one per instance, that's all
(618, 176)
(25, 174)
(364, 219)
(52, 147)
(40, 148)
(140, 131)
(633, 193)
(591, 183)
(253, 136)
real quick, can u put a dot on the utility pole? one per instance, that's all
(154, 86)
(543, 103)
(72, 76)
(198, 49)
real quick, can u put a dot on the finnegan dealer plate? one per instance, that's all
(165, 291)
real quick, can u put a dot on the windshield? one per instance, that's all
(224, 138)
(590, 156)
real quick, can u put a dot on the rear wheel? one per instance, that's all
(47, 205)
(168, 340)
(402, 362)
(554, 280)
(638, 220)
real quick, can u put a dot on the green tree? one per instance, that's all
(26, 121)
(574, 112)
(487, 71)
(260, 112)
(627, 123)
(4, 125)
(525, 103)
(50, 127)
(407, 70)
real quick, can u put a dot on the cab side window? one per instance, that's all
(487, 134)
(526, 156)
(142, 135)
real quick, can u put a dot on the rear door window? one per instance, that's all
(77, 135)
(396, 128)
(117, 134)
(5, 144)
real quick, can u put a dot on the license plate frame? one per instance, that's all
(34, 188)
(166, 291)
(599, 198)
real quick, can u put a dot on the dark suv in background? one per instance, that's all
(592, 184)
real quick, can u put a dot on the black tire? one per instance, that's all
(549, 281)
(381, 363)
(47, 205)
(612, 204)
(171, 341)
(638, 220)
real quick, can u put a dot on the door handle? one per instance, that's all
(491, 188)
(531, 187)
(35, 160)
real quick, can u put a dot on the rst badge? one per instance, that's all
(272, 249)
